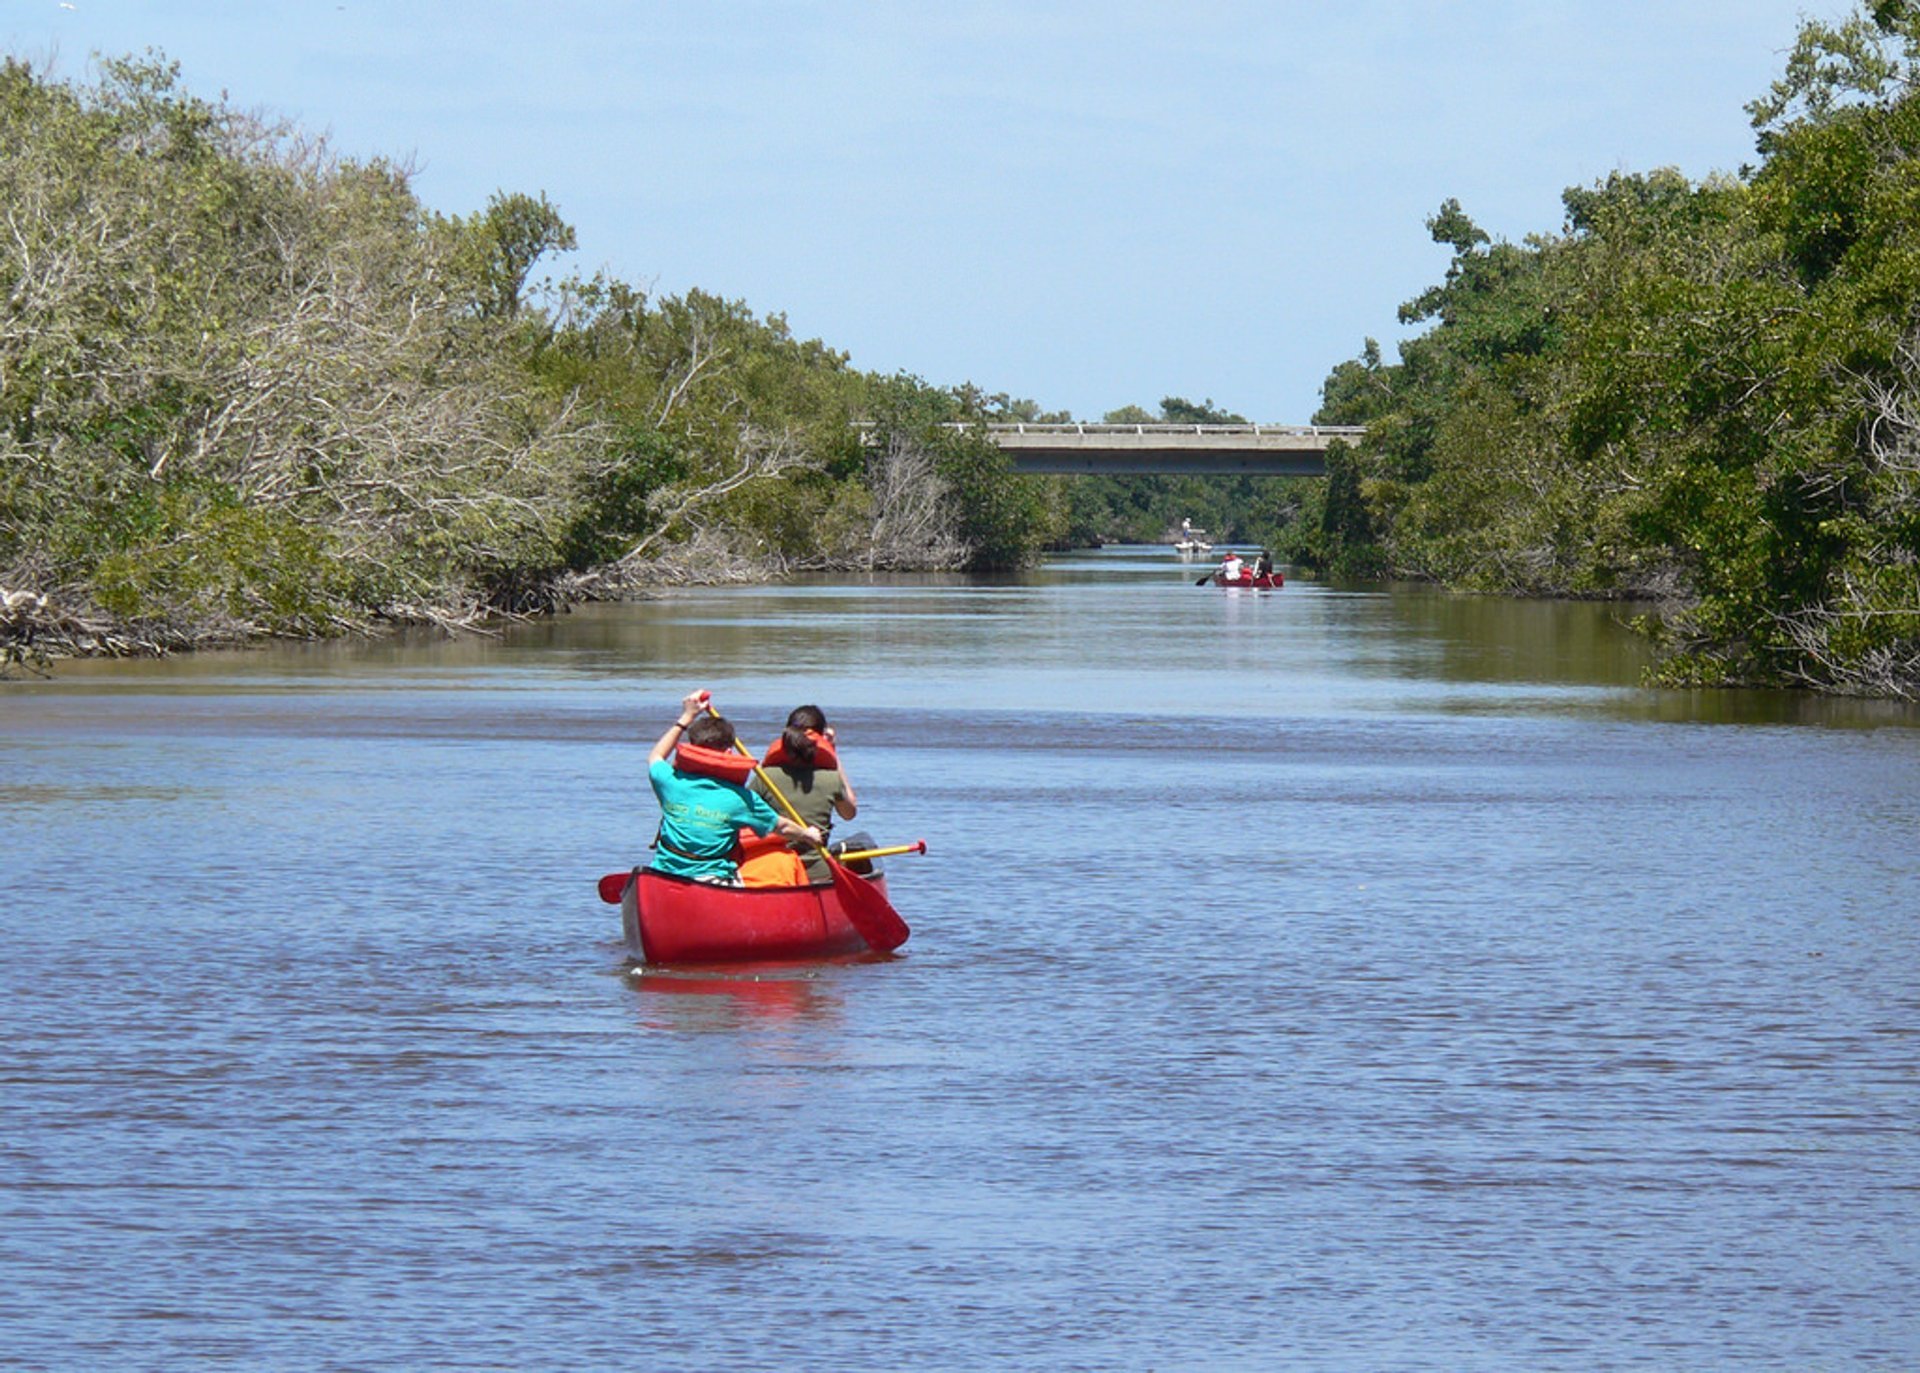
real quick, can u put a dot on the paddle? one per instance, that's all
(614, 883)
(856, 855)
(867, 908)
(1204, 580)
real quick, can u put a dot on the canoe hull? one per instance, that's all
(669, 920)
(1261, 583)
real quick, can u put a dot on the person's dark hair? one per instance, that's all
(801, 719)
(710, 732)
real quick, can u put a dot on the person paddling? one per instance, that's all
(704, 801)
(804, 763)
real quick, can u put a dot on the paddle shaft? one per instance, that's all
(917, 846)
(771, 786)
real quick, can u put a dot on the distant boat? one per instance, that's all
(1191, 540)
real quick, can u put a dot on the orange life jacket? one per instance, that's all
(778, 755)
(718, 764)
(766, 861)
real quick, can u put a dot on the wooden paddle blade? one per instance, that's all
(867, 908)
(612, 885)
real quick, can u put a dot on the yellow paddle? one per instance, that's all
(855, 856)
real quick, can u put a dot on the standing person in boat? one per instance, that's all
(805, 765)
(700, 780)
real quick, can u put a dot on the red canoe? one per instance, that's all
(1247, 579)
(672, 920)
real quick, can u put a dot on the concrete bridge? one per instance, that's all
(1285, 450)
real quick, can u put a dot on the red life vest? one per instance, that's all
(716, 763)
(778, 755)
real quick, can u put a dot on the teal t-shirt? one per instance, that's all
(702, 815)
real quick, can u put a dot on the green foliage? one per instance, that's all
(1333, 533)
(1001, 515)
(248, 387)
(616, 507)
(197, 554)
(1704, 395)
(496, 249)
(240, 396)
(999, 518)
(1180, 410)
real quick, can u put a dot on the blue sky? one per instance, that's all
(1088, 204)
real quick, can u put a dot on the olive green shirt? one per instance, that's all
(812, 792)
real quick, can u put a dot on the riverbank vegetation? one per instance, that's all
(1704, 394)
(248, 387)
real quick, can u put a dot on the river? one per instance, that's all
(1316, 978)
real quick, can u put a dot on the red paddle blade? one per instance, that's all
(612, 885)
(868, 910)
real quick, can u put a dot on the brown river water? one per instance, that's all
(1325, 979)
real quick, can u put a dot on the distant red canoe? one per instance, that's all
(670, 920)
(1276, 580)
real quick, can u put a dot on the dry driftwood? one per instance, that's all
(35, 629)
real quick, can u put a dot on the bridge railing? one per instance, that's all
(1096, 430)
(1286, 450)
